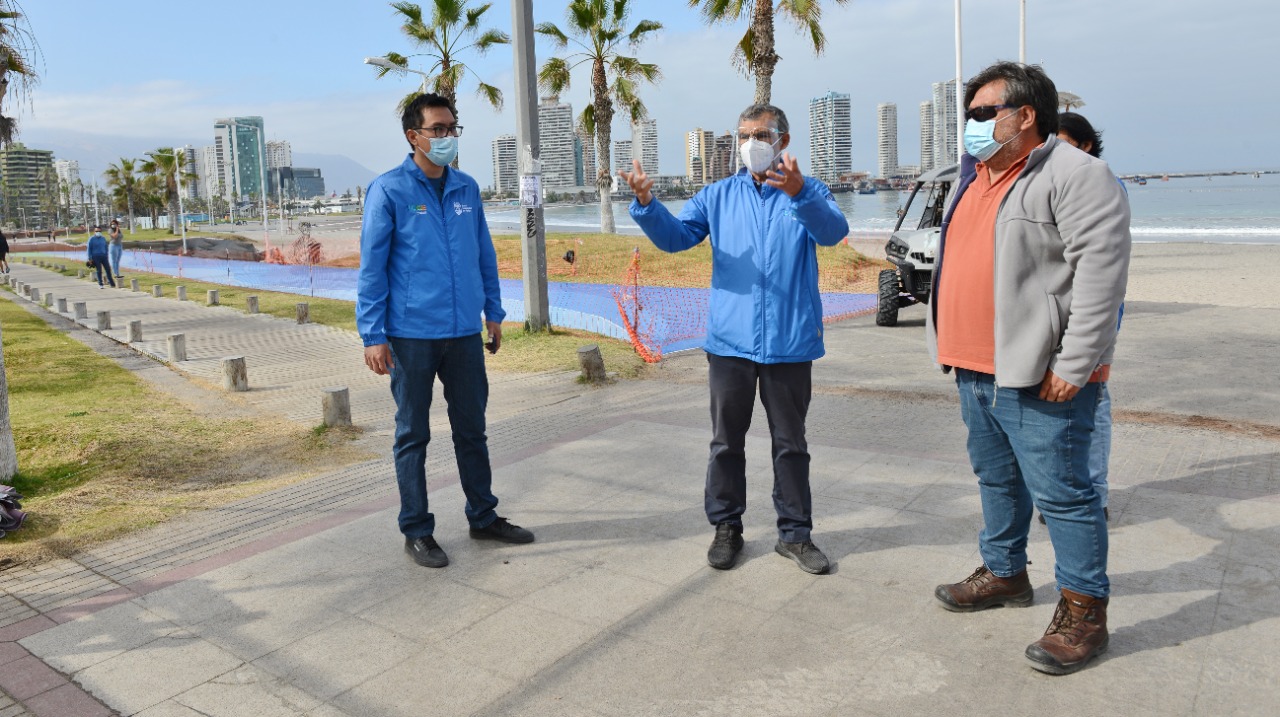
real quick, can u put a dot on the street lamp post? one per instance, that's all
(389, 65)
(262, 183)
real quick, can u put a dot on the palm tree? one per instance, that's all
(17, 47)
(598, 28)
(755, 54)
(454, 29)
(123, 184)
(169, 167)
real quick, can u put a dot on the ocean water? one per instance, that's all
(1238, 209)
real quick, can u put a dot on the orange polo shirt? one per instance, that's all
(966, 321)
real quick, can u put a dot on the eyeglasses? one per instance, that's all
(982, 113)
(453, 130)
(763, 134)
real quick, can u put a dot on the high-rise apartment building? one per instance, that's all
(206, 168)
(279, 153)
(189, 188)
(26, 175)
(506, 172)
(830, 136)
(622, 155)
(556, 142)
(926, 136)
(240, 154)
(698, 145)
(69, 182)
(945, 139)
(644, 142)
(724, 160)
(887, 138)
(590, 170)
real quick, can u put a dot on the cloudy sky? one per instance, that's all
(1176, 85)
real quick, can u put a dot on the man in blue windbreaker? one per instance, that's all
(97, 254)
(765, 322)
(428, 271)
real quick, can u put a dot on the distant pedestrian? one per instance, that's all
(117, 247)
(764, 331)
(4, 253)
(1030, 274)
(97, 254)
(426, 277)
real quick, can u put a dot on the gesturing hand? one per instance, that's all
(639, 183)
(789, 180)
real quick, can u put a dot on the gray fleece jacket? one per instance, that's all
(1061, 265)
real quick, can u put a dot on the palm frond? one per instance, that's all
(549, 29)
(587, 121)
(714, 11)
(491, 38)
(554, 77)
(642, 28)
(490, 94)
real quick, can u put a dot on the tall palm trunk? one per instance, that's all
(603, 108)
(172, 185)
(765, 57)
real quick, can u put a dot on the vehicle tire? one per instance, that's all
(887, 309)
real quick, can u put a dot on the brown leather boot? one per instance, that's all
(985, 589)
(1078, 633)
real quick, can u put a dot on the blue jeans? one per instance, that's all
(785, 391)
(460, 365)
(1100, 448)
(1024, 451)
(116, 251)
(100, 266)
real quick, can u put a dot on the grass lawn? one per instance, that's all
(101, 453)
(522, 352)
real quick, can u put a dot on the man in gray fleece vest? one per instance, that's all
(1030, 276)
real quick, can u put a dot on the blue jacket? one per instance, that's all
(97, 246)
(427, 265)
(764, 279)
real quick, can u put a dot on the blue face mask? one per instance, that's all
(980, 138)
(443, 151)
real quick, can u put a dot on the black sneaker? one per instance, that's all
(725, 547)
(426, 552)
(503, 531)
(806, 555)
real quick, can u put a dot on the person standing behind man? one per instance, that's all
(765, 322)
(1030, 274)
(4, 253)
(426, 276)
(116, 247)
(97, 255)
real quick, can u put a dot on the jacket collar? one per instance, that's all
(411, 168)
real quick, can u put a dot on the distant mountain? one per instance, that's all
(339, 171)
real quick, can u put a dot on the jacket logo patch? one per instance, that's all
(418, 208)
(459, 208)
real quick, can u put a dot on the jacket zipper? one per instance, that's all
(448, 246)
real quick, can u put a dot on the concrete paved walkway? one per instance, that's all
(301, 601)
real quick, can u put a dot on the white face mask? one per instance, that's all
(757, 156)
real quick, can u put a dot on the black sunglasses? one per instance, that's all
(982, 113)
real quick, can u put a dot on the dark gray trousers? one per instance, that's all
(785, 390)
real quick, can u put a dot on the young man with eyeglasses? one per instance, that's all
(1030, 275)
(428, 271)
(765, 322)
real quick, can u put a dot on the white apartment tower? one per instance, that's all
(590, 167)
(926, 136)
(68, 172)
(556, 143)
(622, 155)
(506, 171)
(279, 154)
(830, 136)
(946, 147)
(698, 146)
(644, 138)
(887, 138)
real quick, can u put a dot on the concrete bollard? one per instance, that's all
(134, 285)
(304, 313)
(211, 297)
(24, 260)
(82, 309)
(33, 293)
(336, 406)
(157, 290)
(104, 320)
(182, 292)
(251, 303)
(48, 298)
(235, 376)
(135, 331)
(177, 347)
(592, 363)
(62, 306)
(80, 274)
